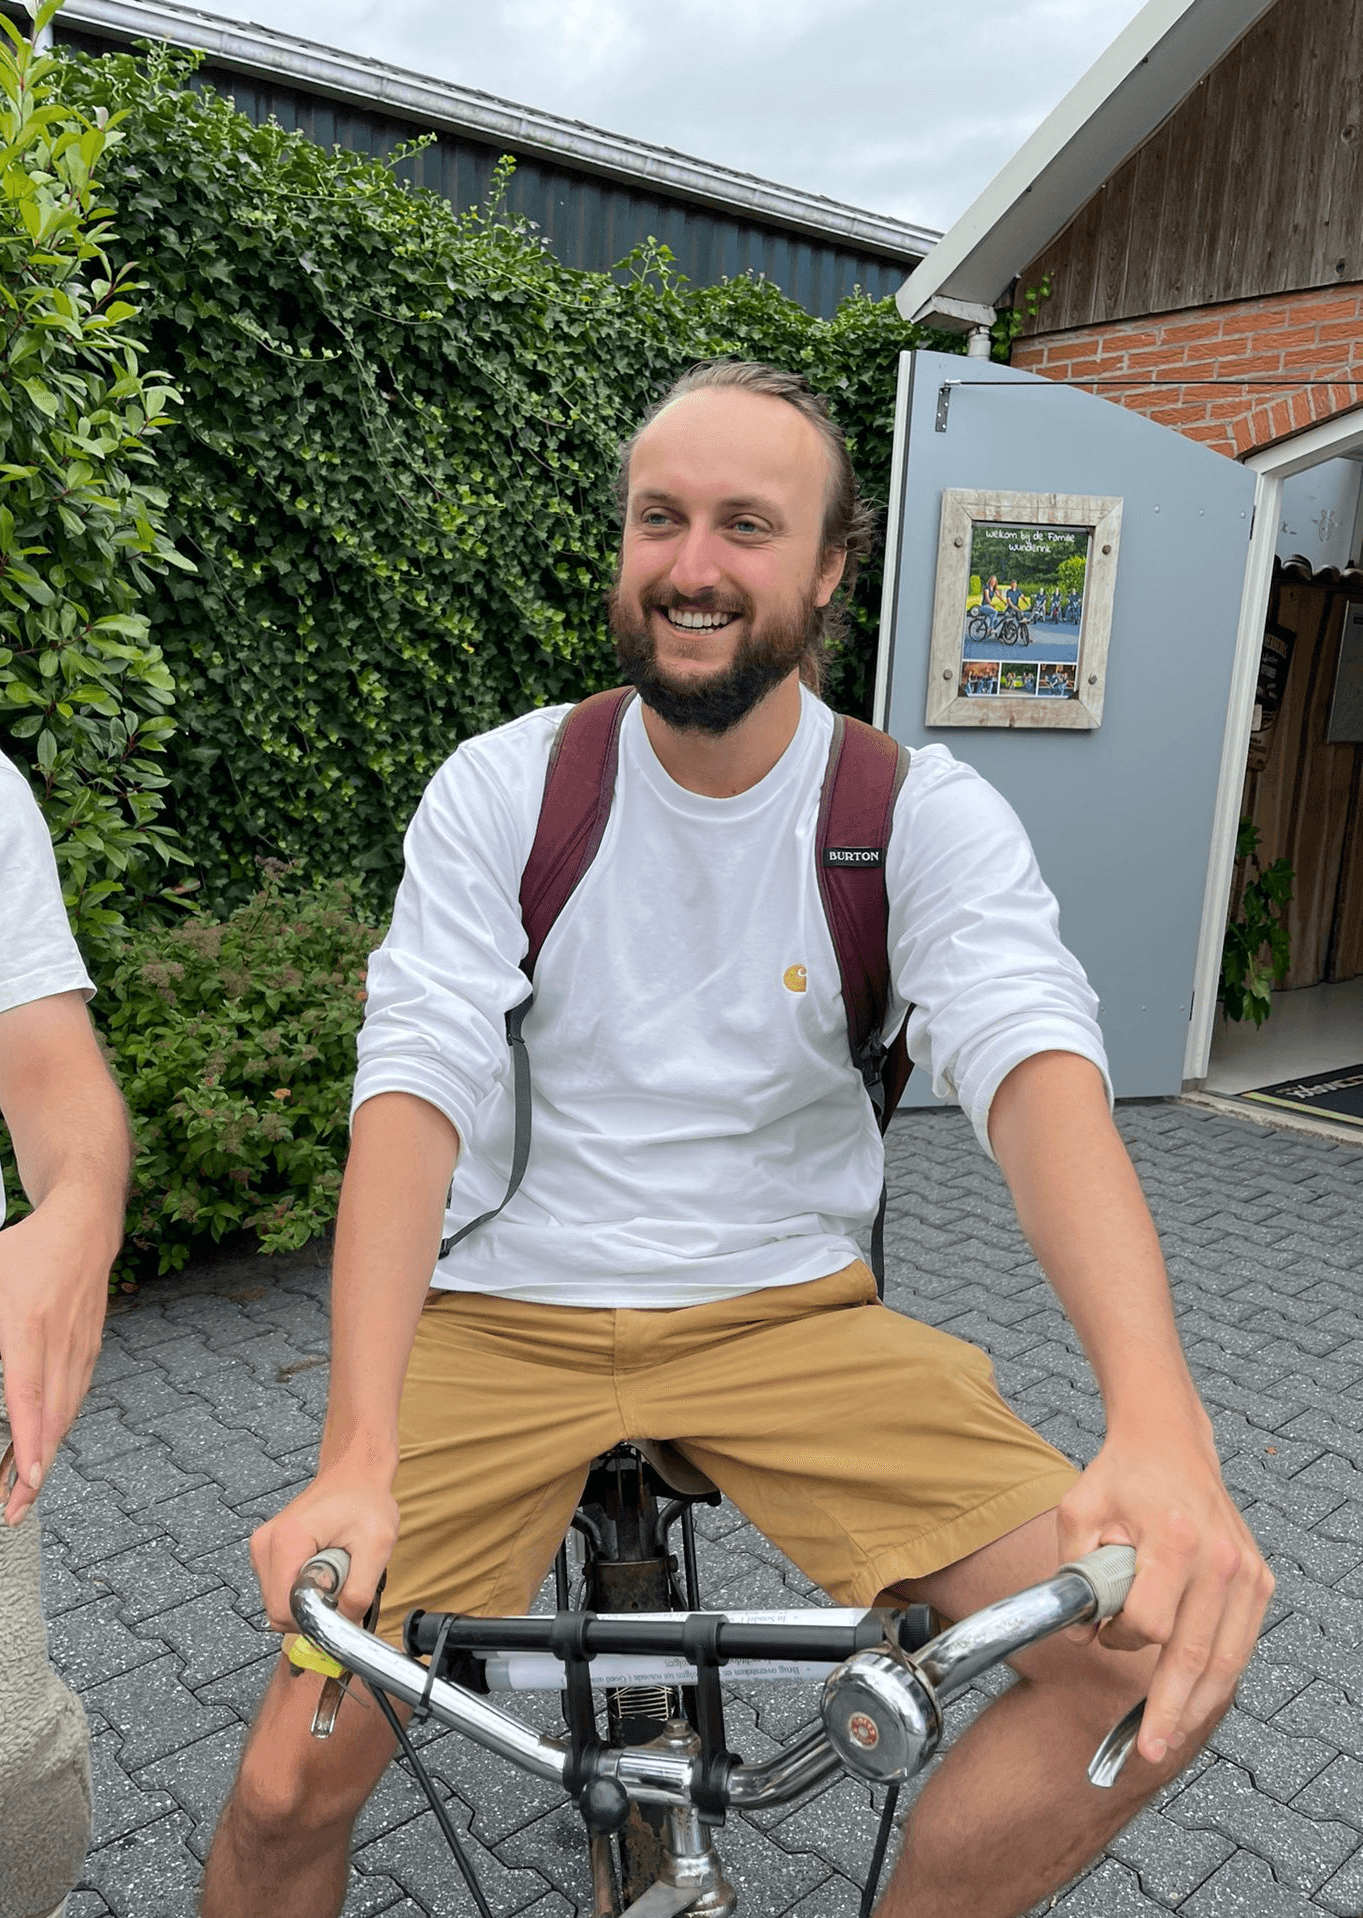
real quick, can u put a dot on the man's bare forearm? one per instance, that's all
(388, 1226)
(1081, 1206)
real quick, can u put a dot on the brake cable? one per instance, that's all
(868, 1897)
(437, 1804)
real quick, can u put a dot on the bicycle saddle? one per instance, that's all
(676, 1471)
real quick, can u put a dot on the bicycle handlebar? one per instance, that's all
(881, 1708)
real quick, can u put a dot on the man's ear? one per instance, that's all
(831, 569)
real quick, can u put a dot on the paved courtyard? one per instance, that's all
(205, 1414)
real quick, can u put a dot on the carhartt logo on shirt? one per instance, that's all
(795, 979)
(854, 855)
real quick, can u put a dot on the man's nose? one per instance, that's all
(696, 566)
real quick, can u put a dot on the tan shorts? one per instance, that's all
(868, 1447)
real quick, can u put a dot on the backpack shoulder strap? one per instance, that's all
(865, 771)
(578, 789)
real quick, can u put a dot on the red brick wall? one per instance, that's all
(1275, 346)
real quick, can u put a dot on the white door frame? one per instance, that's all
(1331, 439)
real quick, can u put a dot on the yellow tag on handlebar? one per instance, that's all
(304, 1656)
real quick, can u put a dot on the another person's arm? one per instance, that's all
(388, 1226)
(1202, 1586)
(70, 1136)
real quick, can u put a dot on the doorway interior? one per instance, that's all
(1303, 790)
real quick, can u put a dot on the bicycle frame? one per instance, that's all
(881, 1707)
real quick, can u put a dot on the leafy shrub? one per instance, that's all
(394, 469)
(1256, 952)
(83, 695)
(234, 1043)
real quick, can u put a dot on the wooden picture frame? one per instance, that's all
(988, 666)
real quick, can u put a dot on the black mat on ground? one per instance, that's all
(1337, 1094)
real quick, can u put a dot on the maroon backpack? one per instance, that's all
(865, 771)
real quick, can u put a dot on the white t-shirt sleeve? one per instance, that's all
(38, 956)
(975, 943)
(442, 982)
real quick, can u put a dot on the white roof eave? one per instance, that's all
(1152, 65)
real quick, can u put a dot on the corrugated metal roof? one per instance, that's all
(267, 56)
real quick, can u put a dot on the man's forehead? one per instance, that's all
(747, 442)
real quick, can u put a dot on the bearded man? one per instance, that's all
(680, 1259)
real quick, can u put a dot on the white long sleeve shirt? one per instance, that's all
(699, 1130)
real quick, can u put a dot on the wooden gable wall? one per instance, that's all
(1254, 185)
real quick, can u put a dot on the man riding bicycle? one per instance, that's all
(679, 1262)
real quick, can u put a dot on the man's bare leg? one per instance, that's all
(282, 1847)
(1009, 1815)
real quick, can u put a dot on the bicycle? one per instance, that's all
(651, 1791)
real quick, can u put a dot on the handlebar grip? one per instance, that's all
(331, 1566)
(1111, 1571)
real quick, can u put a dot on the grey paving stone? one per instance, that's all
(150, 1579)
(149, 1873)
(835, 1897)
(62, 1588)
(1111, 1891)
(1302, 1851)
(147, 1395)
(1343, 1893)
(1169, 1860)
(416, 1857)
(1324, 1711)
(1245, 1887)
(839, 1825)
(155, 1712)
(93, 1526)
(1336, 1792)
(120, 1805)
(142, 1477)
(1279, 1762)
(198, 1521)
(198, 1778)
(90, 1645)
(1266, 1689)
(210, 1636)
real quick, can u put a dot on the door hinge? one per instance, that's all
(943, 402)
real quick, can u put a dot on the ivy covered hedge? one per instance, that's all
(392, 464)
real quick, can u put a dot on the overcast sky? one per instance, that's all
(907, 107)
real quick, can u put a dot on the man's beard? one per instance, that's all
(763, 658)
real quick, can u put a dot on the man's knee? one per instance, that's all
(293, 1788)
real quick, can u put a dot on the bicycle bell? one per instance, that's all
(880, 1717)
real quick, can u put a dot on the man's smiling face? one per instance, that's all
(721, 570)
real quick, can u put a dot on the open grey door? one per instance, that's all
(1120, 812)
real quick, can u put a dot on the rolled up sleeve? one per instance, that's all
(442, 982)
(975, 942)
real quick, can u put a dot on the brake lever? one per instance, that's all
(327, 1571)
(1116, 1748)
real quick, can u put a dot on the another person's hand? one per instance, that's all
(1201, 1585)
(54, 1277)
(343, 1506)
